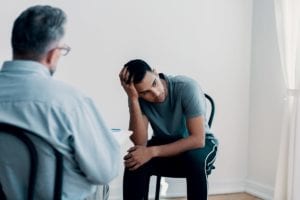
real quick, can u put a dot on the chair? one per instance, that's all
(11, 132)
(209, 167)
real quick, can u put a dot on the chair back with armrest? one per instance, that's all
(16, 142)
(209, 167)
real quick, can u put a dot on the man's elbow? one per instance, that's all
(105, 178)
(200, 142)
(108, 178)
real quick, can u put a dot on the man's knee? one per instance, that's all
(195, 158)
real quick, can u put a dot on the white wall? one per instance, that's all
(208, 40)
(266, 101)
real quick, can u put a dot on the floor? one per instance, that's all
(235, 196)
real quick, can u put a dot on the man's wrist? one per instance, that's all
(132, 101)
(133, 104)
(154, 151)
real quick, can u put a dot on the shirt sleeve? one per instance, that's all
(95, 149)
(193, 100)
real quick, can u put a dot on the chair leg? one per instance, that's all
(157, 190)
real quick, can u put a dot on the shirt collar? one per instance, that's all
(24, 67)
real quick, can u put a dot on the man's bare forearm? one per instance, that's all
(137, 124)
(196, 139)
(175, 148)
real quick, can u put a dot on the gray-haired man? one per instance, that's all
(31, 99)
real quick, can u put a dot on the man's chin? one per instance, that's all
(161, 99)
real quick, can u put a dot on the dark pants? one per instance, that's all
(191, 164)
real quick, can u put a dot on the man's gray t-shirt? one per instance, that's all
(185, 99)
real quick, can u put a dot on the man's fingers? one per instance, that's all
(122, 75)
(130, 163)
(134, 167)
(131, 149)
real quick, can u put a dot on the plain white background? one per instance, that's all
(229, 47)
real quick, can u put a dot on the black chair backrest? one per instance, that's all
(212, 109)
(22, 135)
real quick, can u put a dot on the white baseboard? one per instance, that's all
(262, 191)
(224, 187)
(178, 189)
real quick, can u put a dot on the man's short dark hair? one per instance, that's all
(36, 29)
(137, 70)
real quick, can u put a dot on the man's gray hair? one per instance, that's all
(36, 29)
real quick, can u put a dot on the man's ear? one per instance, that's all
(51, 56)
(50, 59)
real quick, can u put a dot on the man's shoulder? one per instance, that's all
(61, 93)
(182, 80)
(66, 88)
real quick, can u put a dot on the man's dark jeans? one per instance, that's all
(191, 164)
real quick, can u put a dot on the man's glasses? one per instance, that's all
(64, 50)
